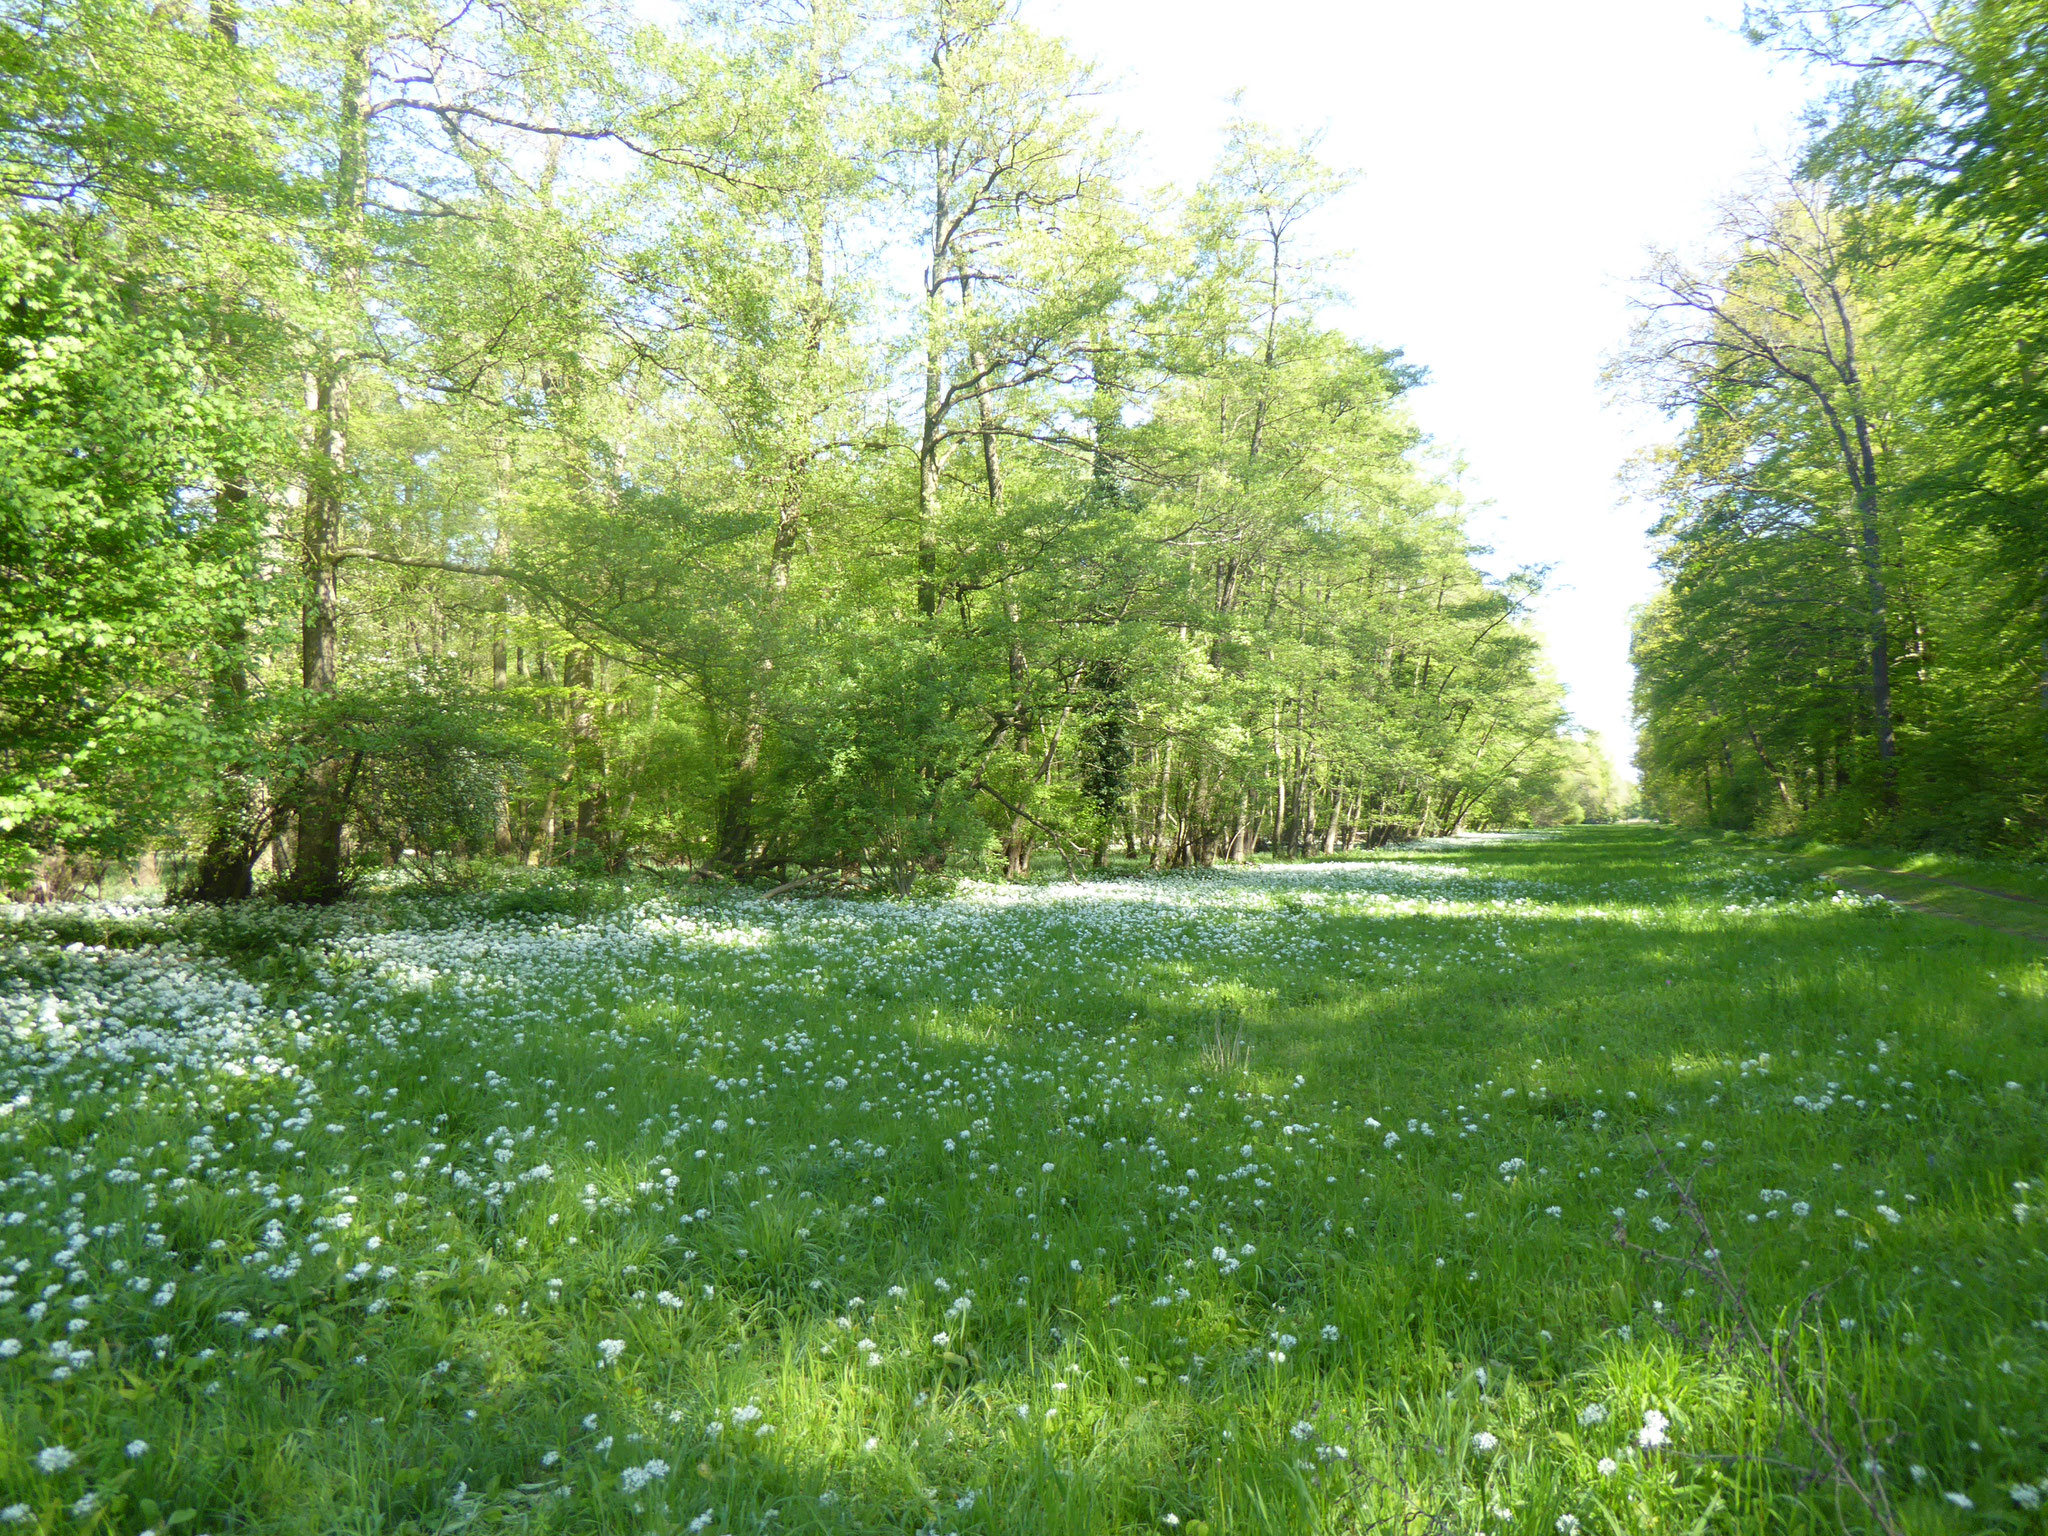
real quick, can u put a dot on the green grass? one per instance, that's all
(1282, 1201)
(2010, 895)
(2025, 879)
(2022, 877)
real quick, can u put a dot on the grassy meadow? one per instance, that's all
(1601, 1182)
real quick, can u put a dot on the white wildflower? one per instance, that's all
(55, 1458)
(633, 1479)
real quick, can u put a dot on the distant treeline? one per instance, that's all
(1852, 631)
(777, 439)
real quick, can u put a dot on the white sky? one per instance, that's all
(1518, 159)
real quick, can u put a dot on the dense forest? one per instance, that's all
(784, 442)
(1851, 636)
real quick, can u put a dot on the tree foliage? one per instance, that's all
(1851, 635)
(775, 439)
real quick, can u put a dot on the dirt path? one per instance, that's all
(2023, 917)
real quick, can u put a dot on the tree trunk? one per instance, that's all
(322, 811)
(501, 831)
(931, 435)
(1279, 787)
(735, 835)
(579, 673)
(234, 838)
(1784, 790)
(317, 870)
(1880, 640)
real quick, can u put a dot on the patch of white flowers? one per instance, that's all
(350, 1185)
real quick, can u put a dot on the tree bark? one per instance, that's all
(322, 811)
(931, 433)
(234, 839)
(1880, 640)
(736, 835)
(317, 869)
(579, 673)
(1764, 757)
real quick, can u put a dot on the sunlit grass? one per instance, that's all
(585, 1210)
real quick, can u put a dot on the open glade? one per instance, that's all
(1592, 1181)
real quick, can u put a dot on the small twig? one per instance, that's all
(801, 882)
(1807, 1475)
(1771, 1347)
(1058, 842)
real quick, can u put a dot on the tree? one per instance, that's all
(1911, 237)
(588, 487)
(141, 158)
(1770, 358)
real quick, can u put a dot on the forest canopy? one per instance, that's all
(780, 441)
(1851, 634)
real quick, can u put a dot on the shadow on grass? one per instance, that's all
(1589, 1037)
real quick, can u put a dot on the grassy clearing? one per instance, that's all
(1281, 1200)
